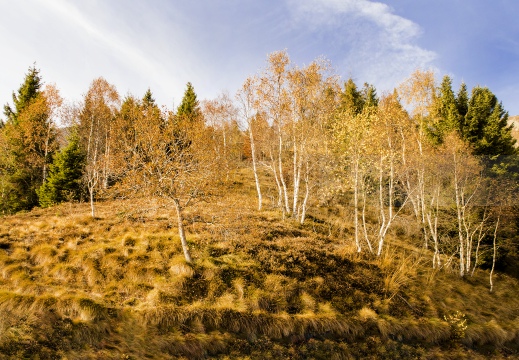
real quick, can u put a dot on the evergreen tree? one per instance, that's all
(369, 94)
(462, 100)
(351, 98)
(188, 115)
(28, 142)
(28, 92)
(445, 115)
(148, 105)
(148, 99)
(486, 126)
(65, 174)
(189, 108)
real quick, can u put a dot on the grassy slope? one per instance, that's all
(117, 287)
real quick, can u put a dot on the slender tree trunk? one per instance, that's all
(46, 153)
(433, 226)
(225, 156)
(307, 193)
(494, 257)
(106, 167)
(481, 235)
(92, 204)
(254, 167)
(460, 219)
(364, 227)
(297, 179)
(356, 202)
(278, 182)
(382, 211)
(281, 177)
(181, 232)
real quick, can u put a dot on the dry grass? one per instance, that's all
(118, 286)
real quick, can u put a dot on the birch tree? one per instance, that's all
(467, 186)
(297, 104)
(390, 120)
(96, 117)
(247, 99)
(418, 94)
(352, 141)
(273, 103)
(221, 115)
(156, 165)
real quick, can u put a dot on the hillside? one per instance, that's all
(260, 287)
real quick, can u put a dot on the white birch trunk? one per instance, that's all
(255, 167)
(181, 232)
(493, 257)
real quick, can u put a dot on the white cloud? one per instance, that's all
(108, 28)
(373, 44)
(163, 45)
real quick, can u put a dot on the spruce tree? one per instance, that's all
(150, 108)
(29, 140)
(27, 93)
(188, 116)
(351, 98)
(462, 100)
(189, 108)
(369, 94)
(486, 126)
(445, 115)
(148, 99)
(65, 174)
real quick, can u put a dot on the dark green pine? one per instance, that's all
(28, 92)
(351, 99)
(65, 173)
(189, 108)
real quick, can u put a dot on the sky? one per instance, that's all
(217, 44)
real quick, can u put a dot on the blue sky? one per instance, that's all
(216, 44)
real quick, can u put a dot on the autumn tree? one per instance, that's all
(295, 104)
(246, 97)
(155, 165)
(352, 139)
(418, 94)
(95, 126)
(312, 105)
(221, 115)
(28, 141)
(390, 121)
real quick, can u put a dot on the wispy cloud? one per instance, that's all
(118, 37)
(372, 43)
(215, 44)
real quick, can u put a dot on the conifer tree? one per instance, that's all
(351, 98)
(486, 126)
(462, 100)
(148, 99)
(65, 174)
(189, 108)
(28, 92)
(188, 115)
(369, 94)
(446, 116)
(28, 142)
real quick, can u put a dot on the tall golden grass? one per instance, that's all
(118, 287)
